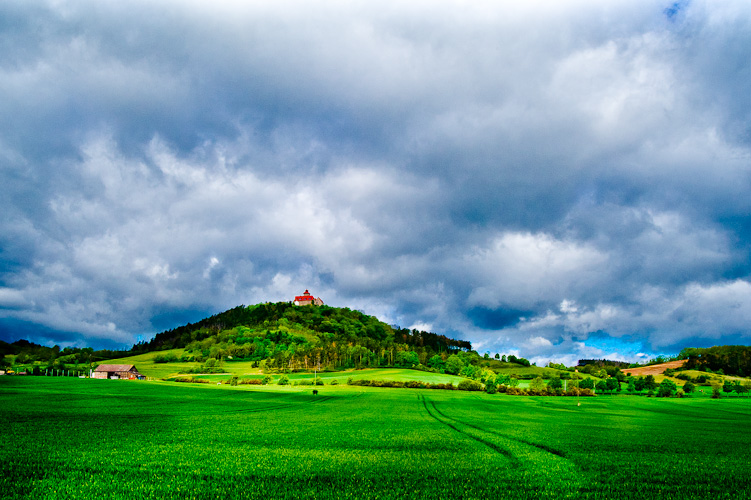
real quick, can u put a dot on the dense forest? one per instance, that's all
(282, 335)
(726, 359)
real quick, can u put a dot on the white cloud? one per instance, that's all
(520, 269)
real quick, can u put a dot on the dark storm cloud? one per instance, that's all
(553, 180)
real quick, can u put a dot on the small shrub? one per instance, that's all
(334, 382)
(283, 380)
(250, 381)
(448, 386)
(267, 379)
(192, 380)
(469, 385)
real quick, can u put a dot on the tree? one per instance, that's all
(727, 386)
(688, 387)
(555, 383)
(631, 386)
(602, 386)
(407, 358)
(612, 384)
(454, 364)
(436, 362)
(587, 383)
(716, 391)
(666, 388)
(640, 384)
(537, 384)
(650, 382)
(739, 388)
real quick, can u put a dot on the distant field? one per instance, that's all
(106, 439)
(397, 374)
(653, 369)
(145, 364)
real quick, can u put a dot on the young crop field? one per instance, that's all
(65, 438)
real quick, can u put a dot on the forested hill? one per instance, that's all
(255, 332)
(731, 359)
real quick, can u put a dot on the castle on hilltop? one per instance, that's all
(307, 299)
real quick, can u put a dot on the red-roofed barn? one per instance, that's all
(117, 372)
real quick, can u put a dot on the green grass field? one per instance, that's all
(66, 438)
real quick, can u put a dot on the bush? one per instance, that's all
(573, 391)
(334, 382)
(533, 391)
(192, 380)
(701, 379)
(283, 380)
(250, 381)
(233, 380)
(267, 379)
(448, 386)
(469, 385)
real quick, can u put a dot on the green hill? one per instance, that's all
(282, 336)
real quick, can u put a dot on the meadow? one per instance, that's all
(67, 438)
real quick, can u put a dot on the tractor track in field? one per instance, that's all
(542, 447)
(492, 446)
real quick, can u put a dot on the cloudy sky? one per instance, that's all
(553, 179)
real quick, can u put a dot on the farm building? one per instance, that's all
(117, 372)
(307, 299)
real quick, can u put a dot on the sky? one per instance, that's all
(551, 179)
